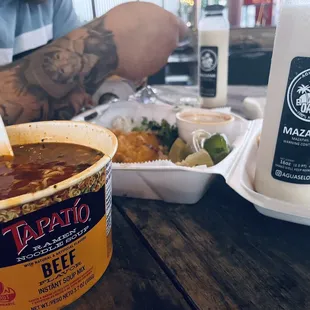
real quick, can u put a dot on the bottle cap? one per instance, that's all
(214, 10)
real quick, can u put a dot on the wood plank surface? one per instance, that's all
(225, 254)
(133, 281)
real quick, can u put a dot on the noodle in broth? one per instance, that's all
(38, 166)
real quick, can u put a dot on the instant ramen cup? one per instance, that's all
(56, 243)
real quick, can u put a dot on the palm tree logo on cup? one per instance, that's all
(208, 60)
(304, 90)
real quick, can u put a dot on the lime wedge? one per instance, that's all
(179, 151)
(217, 147)
(197, 159)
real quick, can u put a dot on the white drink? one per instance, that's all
(213, 57)
(283, 164)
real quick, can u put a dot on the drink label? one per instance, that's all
(292, 155)
(208, 71)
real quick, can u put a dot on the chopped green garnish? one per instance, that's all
(165, 132)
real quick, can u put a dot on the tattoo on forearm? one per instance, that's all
(58, 80)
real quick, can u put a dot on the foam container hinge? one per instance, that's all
(241, 179)
(163, 180)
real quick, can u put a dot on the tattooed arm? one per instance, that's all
(56, 81)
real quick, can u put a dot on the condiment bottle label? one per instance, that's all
(57, 253)
(292, 154)
(208, 71)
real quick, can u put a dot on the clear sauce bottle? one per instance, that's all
(283, 163)
(213, 31)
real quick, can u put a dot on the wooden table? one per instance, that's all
(218, 254)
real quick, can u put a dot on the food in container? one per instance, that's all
(148, 141)
(151, 141)
(191, 120)
(179, 151)
(35, 167)
(201, 158)
(136, 147)
(55, 231)
(163, 179)
(216, 145)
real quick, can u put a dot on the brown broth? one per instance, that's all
(38, 166)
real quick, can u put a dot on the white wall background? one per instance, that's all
(102, 6)
(84, 7)
(85, 12)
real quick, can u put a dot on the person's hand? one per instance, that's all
(145, 36)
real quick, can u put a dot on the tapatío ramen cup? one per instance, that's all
(56, 243)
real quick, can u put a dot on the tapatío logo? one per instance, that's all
(298, 96)
(208, 60)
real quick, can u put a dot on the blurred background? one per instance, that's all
(252, 33)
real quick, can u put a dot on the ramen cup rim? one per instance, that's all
(200, 112)
(15, 201)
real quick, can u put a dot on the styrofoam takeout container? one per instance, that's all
(163, 180)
